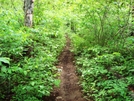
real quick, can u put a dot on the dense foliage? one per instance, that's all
(101, 40)
(104, 50)
(28, 55)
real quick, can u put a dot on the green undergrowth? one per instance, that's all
(106, 74)
(102, 41)
(27, 64)
(103, 44)
(28, 55)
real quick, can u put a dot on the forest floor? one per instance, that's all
(69, 89)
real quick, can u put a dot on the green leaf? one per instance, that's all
(9, 71)
(32, 83)
(41, 87)
(4, 69)
(5, 60)
(132, 70)
(57, 82)
(25, 73)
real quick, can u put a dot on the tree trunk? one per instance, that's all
(28, 10)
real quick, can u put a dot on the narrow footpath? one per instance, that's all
(69, 88)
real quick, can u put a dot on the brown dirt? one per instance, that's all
(69, 88)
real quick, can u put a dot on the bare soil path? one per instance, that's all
(69, 88)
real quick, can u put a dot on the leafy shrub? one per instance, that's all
(105, 75)
(28, 55)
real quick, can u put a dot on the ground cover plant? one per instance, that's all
(101, 37)
(104, 50)
(28, 55)
(105, 75)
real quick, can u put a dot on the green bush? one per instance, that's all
(28, 55)
(105, 75)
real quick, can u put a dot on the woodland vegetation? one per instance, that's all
(102, 36)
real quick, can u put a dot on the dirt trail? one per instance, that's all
(69, 87)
